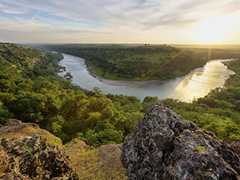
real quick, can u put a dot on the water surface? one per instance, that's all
(197, 83)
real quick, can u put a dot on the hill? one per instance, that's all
(31, 157)
(89, 163)
(15, 128)
(162, 146)
(31, 90)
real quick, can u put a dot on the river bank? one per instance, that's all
(196, 84)
(132, 83)
(129, 83)
(124, 83)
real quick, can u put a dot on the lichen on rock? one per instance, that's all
(163, 146)
(34, 158)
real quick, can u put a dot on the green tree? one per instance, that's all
(97, 90)
(4, 114)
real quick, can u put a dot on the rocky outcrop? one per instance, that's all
(163, 146)
(14, 125)
(33, 158)
(15, 128)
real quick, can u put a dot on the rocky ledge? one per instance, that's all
(33, 158)
(163, 146)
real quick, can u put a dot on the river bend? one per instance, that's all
(197, 83)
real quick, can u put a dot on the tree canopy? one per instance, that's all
(32, 91)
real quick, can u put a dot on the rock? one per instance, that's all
(14, 125)
(34, 158)
(15, 128)
(12, 122)
(163, 146)
(236, 145)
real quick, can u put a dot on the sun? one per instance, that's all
(212, 30)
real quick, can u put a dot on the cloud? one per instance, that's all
(125, 12)
(123, 17)
(12, 10)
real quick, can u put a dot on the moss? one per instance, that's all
(200, 148)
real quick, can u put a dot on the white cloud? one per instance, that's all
(115, 12)
(8, 11)
(139, 18)
(12, 10)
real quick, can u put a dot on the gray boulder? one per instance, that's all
(163, 146)
(33, 158)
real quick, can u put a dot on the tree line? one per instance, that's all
(142, 62)
(32, 91)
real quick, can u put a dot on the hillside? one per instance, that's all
(37, 94)
(88, 162)
(15, 128)
(162, 146)
(31, 90)
(29, 156)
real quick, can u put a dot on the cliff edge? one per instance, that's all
(163, 146)
(31, 157)
(28, 152)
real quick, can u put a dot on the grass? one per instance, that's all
(90, 163)
(95, 164)
(30, 131)
(99, 72)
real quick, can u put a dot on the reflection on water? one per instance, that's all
(194, 85)
(202, 80)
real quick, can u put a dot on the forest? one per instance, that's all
(147, 62)
(32, 91)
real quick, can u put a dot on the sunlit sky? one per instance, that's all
(120, 21)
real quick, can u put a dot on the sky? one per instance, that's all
(120, 21)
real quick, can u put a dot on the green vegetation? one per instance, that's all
(142, 62)
(100, 164)
(201, 148)
(32, 91)
(28, 150)
(219, 111)
(24, 129)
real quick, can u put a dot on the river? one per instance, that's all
(197, 83)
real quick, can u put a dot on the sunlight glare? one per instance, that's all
(213, 29)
